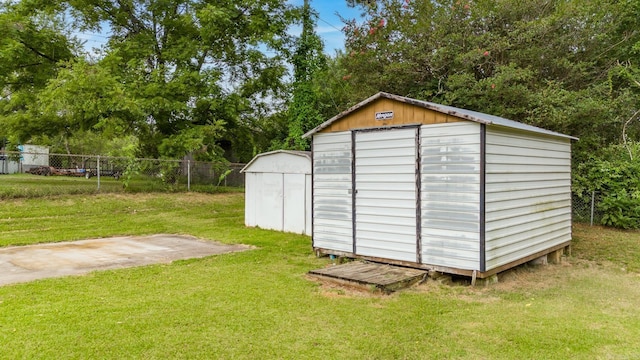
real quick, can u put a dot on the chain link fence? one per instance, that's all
(585, 207)
(187, 173)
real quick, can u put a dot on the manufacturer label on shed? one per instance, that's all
(384, 115)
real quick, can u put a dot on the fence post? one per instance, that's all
(98, 170)
(593, 200)
(188, 175)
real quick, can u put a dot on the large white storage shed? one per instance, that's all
(415, 183)
(278, 191)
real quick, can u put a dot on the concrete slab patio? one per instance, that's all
(26, 263)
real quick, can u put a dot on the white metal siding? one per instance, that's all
(294, 203)
(250, 184)
(34, 155)
(386, 194)
(307, 205)
(528, 194)
(332, 203)
(278, 202)
(269, 205)
(450, 195)
(279, 162)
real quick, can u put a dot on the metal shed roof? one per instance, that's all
(306, 154)
(474, 116)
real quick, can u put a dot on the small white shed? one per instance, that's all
(420, 184)
(278, 191)
(31, 156)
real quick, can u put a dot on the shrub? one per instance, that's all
(616, 176)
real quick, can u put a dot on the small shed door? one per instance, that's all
(386, 192)
(269, 204)
(294, 200)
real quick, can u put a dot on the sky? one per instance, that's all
(329, 26)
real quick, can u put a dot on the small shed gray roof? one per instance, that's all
(306, 154)
(470, 115)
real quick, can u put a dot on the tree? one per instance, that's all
(545, 63)
(308, 62)
(32, 46)
(334, 90)
(193, 63)
(82, 98)
(186, 67)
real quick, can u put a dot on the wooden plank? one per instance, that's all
(387, 278)
(444, 269)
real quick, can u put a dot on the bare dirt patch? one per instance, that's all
(521, 279)
(334, 290)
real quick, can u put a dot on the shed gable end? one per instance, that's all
(388, 113)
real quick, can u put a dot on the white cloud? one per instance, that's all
(326, 29)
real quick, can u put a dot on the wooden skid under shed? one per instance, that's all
(387, 278)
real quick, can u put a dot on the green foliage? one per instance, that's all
(543, 63)
(32, 47)
(304, 116)
(308, 61)
(170, 172)
(616, 177)
(132, 169)
(170, 70)
(198, 140)
(223, 176)
(333, 89)
(83, 99)
(194, 64)
(621, 210)
(126, 146)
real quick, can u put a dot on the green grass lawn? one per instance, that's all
(30, 186)
(260, 304)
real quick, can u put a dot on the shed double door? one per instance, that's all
(386, 194)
